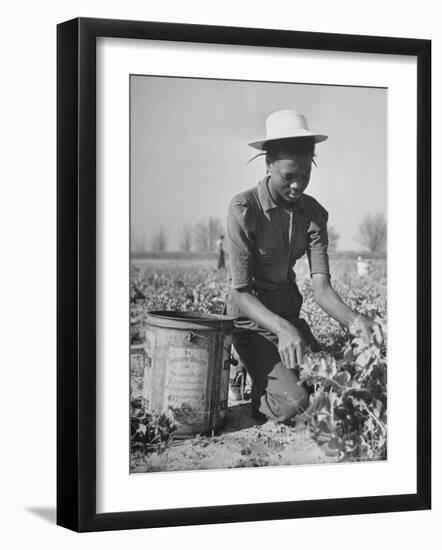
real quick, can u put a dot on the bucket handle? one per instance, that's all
(191, 336)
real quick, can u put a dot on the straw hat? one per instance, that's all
(286, 124)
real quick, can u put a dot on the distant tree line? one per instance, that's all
(372, 233)
(202, 236)
(159, 240)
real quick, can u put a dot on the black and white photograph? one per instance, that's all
(258, 274)
(221, 248)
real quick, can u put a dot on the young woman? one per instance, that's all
(269, 227)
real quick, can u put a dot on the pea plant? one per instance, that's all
(347, 413)
(149, 431)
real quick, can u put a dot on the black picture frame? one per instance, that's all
(77, 287)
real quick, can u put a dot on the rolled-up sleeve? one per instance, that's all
(317, 243)
(240, 244)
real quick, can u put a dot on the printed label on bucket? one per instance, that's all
(186, 384)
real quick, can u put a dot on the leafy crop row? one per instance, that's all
(347, 413)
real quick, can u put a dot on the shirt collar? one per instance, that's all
(267, 201)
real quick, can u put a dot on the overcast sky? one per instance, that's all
(189, 150)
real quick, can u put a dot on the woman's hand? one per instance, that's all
(291, 345)
(371, 330)
(331, 302)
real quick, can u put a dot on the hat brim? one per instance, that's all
(262, 143)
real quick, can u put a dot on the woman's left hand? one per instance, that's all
(371, 330)
(331, 303)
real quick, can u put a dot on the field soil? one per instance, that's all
(243, 443)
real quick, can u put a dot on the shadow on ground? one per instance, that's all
(239, 417)
(48, 514)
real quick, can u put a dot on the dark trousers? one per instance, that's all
(221, 260)
(276, 391)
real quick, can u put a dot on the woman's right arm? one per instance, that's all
(291, 345)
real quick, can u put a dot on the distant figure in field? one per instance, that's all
(363, 267)
(221, 254)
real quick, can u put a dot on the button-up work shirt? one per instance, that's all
(265, 240)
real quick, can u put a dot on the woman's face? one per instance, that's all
(289, 176)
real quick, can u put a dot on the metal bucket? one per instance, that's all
(187, 368)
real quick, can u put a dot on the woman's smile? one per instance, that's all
(294, 194)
